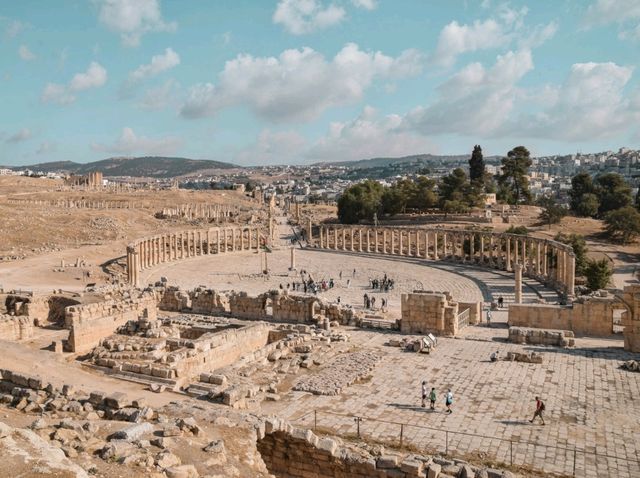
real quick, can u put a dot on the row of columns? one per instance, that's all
(546, 260)
(150, 251)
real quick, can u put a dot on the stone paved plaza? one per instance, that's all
(241, 272)
(591, 404)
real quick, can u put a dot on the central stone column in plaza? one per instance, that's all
(517, 268)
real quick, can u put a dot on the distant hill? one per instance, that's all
(145, 166)
(381, 162)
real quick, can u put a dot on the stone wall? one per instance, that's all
(425, 312)
(287, 308)
(290, 452)
(15, 328)
(91, 323)
(631, 320)
(244, 306)
(587, 316)
(523, 335)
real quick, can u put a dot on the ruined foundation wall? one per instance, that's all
(593, 316)
(223, 349)
(91, 323)
(15, 328)
(631, 320)
(428, 312)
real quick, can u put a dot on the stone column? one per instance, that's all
(538, 265)
(509, 253)
(321, 232)
(368, 240)
(472, 247)
(136, 269)
(293, 259)
(335, 238)
(435, 245)
(400, 242)
(233, 240)
(571, 274)
(426, 245)
(545, 260)
(516, 252)
(384, 241)
(344, 239)
(359, 240)
(444, 245)
(309, 232)
(130, 264)
(518, 287)
(375, 240)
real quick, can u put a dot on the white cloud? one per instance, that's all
(475, 100)
(366, 4)
(94, 77)
(159, 63)
(19, 136)
(14, 28)
(133, 18)
(25, 53)
(505, 28)
(591, 103)
(273, 147)
(626, 13)
(46, 147)
(298, 84)
(368, 136)
(305, 16)
(160, 97)
(130, 143)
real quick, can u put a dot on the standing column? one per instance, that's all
(309, 232)
(368, 240)
(400, 242)
(444, 245)
(359, 240)
(518, 289)
(426, 245)
(293, 259)
(130, 264)
(545, 260)
(233, 240)
(472, 247)
(335, 238)
(384, 241)
(538, 265)
(509, 253)
(516, 250)
(208, 241)
(435, 245)
(571, 274)
(321, 232)
(375, 241)
(344, 239)
(136, 268)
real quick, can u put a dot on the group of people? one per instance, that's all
(383, 285)
(370, 302)
(448, 398)
(448, 402)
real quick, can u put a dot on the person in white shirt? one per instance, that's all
(449, 401)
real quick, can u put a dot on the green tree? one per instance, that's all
(452, 187)
(588, 205)
(598, 274)
(552, 212)
(521, 230)
(423, 195)
(583, 191)
(394, 200)
(454, 207)
(476, 165)
(622, 224)
(360, 201)
(614, 192)
(579, 245)
(513, 183)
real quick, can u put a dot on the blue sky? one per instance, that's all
(298, 81)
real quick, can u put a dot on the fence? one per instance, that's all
(463, 318)
(568, 461)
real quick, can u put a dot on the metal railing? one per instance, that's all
(512, 452)
(463, 318)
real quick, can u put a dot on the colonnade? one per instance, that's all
(548, 261)
(195, 211)
(147, 252)
(78, 203)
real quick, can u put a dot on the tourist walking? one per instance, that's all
(432, 398)
(500, 301)
(424, 393)
(489, 318)
(448, 400)
(539, 409)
